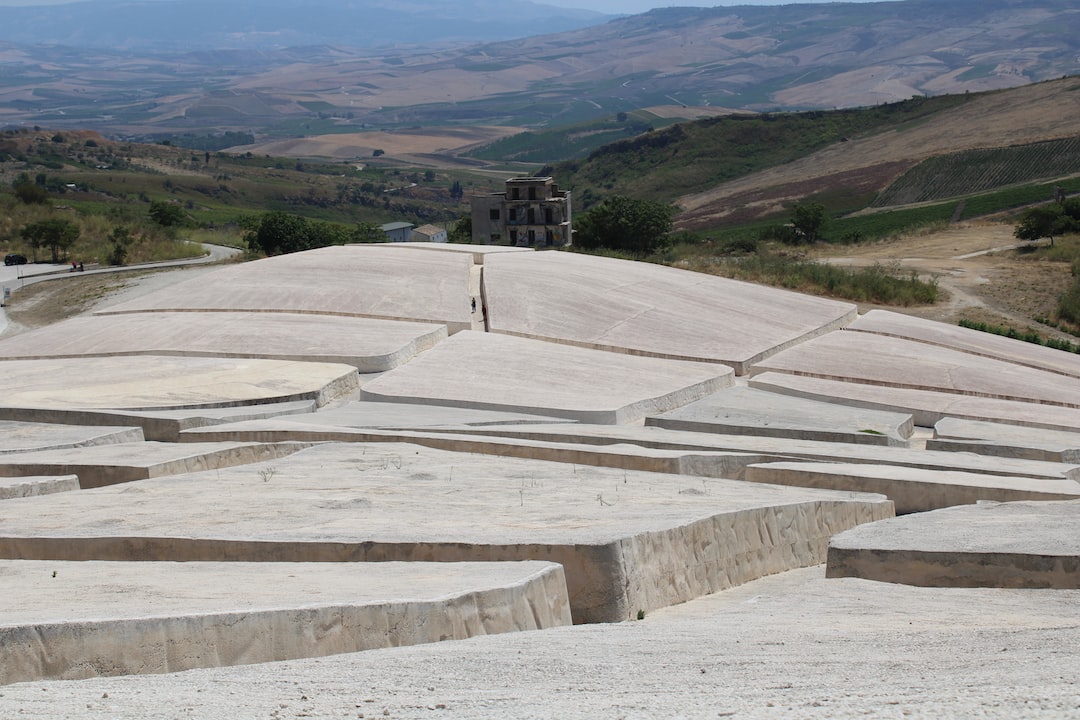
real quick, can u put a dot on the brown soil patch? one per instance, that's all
(982, 276)
(406, 142)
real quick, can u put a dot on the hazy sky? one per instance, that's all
(640, 6)
(606, 6)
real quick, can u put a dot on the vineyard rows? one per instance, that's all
(975, 171)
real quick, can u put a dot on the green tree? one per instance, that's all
(624, 223)
(121, 240)
(55, 234)
(29, 192)
(461, 232)
(367, 232)
(279, 232)
(166, 214)
(808, 220)
(1039, 222)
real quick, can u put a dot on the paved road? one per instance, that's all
(16, 277)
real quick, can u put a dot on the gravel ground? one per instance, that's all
(791, 645)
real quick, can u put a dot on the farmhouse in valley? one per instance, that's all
(531, 212)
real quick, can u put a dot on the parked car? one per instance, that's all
(13, 259)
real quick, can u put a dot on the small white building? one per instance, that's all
(430, 233)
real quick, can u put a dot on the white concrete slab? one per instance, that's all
(375, 281)
(511, 374)
(883, 322)
(987, 438)
(369, 345)
(478, 252)
(399, 416)
(112, 464)
(913, 489)
(646, 309)
(746, 411)
(620, 455)
(627, 540)
(661, 439)
(24, 436)
(155, 383)
(70, 620)
(880, 360)
(1001, 545)
(789, 645)
(158, 425)
(927, 407)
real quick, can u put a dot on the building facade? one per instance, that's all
(531, 212)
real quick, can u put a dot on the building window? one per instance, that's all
(515, 193)
(532, 193)
(493, 214)
(532, 216)
(532, 237)
(512, 214)
(549, 216)
(550, 239)
(513, 237)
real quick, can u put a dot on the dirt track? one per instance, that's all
(983, 278)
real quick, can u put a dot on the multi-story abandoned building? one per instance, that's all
(532, 212)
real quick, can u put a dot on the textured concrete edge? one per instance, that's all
(154, 429)
(35, 486)
(790, 433)
(909, 496)
(170, 644)
(101, 475)
(728, 549)
(998, 449)
(117, 436)
(718, 464)
(955, 569)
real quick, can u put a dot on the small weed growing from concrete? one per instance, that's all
(267, 472)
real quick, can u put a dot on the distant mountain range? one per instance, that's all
(282, 69)
(208, 24)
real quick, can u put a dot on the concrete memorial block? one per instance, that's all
(24, 436)
(1003, 545)
(620, 455)
(161, 425)
(870, 359)
(399, 416)
(974, 342)
(746, 411)
(78, 620)
(646, 309)
(112, 464)
(781, 448)
(988, 438)
(371, 346)
(913, 489)
(18, 487)
(512, 374)
(927, 407)
(374, 281)
(627, 540)
(148, 382)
